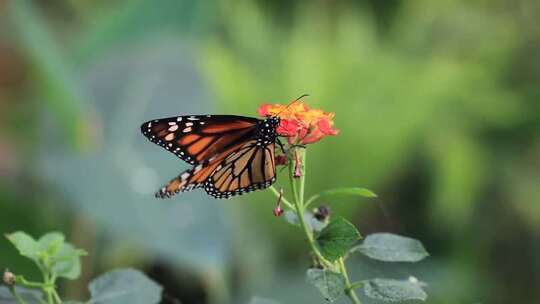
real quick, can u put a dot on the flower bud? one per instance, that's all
(281, 160)
(297, 166)
(278, 211)
(9, 278)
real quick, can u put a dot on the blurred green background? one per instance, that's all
(437, 102)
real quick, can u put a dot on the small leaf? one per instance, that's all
(124, 286)
(51, 243)
(25, 244)
(394, 290)
(352, 191)
(389, 247)
(30, 296)
(330, 284)
(337, 238)
(67, 262)
(259, 300)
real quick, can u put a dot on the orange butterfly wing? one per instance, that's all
(250, 168)
(231, 155)
(196, 138)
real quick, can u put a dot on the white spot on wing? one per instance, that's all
(186, 130)
(169, 137)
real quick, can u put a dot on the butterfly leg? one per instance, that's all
(281, 145)
(298, 146)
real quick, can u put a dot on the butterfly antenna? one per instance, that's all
(292, 102)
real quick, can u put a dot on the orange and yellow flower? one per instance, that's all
(299, 123)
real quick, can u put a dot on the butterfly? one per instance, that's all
(230, 154)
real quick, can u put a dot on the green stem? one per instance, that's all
(296, 199)
(283, 199)
(312, 199)
(357, 284)
(49, 288)
(16, 295)
(298, 203)
(56, 296)
(20, 280)
(349, 289)
(302, 151)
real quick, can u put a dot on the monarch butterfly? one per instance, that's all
(231, 155)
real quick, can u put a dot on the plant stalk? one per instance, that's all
(16, 295)
(299, 206)
(349, 289)
(283, 199)
(48, 289)
(297, 188)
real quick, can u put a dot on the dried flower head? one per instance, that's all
(281, 160)
(321, 213)
(9, 278)
(299, 123)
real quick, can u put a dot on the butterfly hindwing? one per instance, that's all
(250, 168)
(195, 177)
(196, 138)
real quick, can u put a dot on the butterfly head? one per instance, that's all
(273, 121)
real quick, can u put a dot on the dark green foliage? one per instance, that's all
(336, 238)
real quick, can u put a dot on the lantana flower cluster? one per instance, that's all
(300, 124)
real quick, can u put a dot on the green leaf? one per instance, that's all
(394, 290)
(330, 284)
(259, 300)
(124, 286)
(30, 296)
(355, 191)
(337, 238)
(51, 243)
(389, 247)
(25, 244)
(352, 191)
(67, 262)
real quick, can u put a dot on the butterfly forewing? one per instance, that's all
(196, 138)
